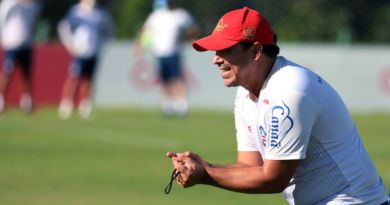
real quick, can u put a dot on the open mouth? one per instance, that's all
(224, 74)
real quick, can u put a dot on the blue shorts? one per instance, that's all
(170, 68)
(83, 67)
(385, 203)
(21, 57)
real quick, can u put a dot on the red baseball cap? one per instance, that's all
(241, 25)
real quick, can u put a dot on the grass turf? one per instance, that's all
(118, 157)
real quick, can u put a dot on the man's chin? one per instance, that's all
(230, 85)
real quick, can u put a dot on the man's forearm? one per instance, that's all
(239, 178)
(227, 166)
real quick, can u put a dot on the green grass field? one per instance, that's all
(119, 157)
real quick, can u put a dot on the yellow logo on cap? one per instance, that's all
(220, 26)
(249, 33)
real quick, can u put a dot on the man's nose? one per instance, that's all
(217, 60)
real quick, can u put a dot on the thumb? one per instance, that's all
(171, 154)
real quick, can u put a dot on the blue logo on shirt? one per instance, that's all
(281, 124)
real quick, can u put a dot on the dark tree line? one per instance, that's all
(357, 21)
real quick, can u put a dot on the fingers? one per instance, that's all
(171, 154)
(182, 156)
(182, 180)
(179, 165)
(190, 167)
(186, 155)
(191, 154)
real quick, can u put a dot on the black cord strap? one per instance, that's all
(168, 188)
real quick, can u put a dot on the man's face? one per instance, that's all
(232, 63)
(89, 2)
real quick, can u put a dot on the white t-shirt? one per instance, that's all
(17, 23)
(298, 115)
(166, 28)
(86, 31)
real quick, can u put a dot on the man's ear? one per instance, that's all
(257, 50)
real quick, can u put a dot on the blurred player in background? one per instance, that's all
(18, 19)
(294, 132)
(164, 31)
(83, 31)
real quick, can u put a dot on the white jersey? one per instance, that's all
(17, 23)
(166, 28)
(86, 31)
(298, 115)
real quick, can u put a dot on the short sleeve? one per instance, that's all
(289, 122)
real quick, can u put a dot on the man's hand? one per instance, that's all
(191, 166)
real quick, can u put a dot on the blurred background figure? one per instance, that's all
(163, 31)
(18, 19)
(83, 31)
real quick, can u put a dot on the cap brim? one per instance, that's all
(212, 43)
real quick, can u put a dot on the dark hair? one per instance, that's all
(270, 50)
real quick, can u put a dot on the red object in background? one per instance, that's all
(384, 81)
(50, 68)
